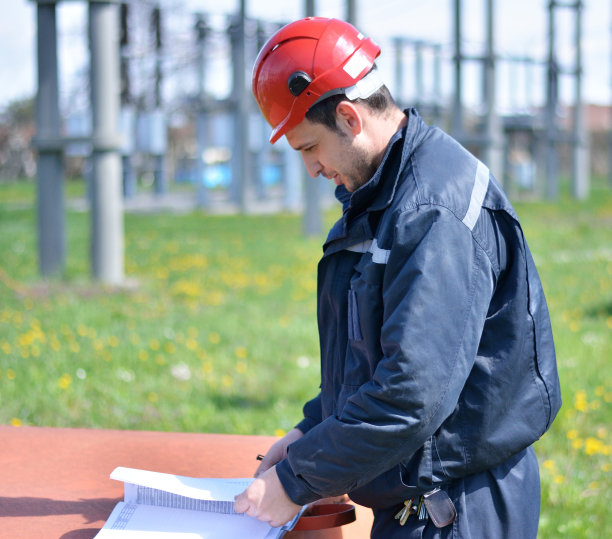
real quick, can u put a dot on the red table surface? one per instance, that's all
(54, 482)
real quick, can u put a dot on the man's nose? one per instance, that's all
(313, 166)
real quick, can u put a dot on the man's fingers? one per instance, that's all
(241, 503)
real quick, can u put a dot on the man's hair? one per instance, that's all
(324, 112)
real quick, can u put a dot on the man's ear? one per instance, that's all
(348, 117)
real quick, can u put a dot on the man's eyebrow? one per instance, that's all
(303, 145)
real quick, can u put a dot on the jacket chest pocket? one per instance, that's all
(364, 319)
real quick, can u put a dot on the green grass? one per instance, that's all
(217, 333)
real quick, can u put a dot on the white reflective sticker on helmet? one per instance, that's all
(356, 64)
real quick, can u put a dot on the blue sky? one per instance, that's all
(520, 29)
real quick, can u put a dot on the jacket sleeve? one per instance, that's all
(436, 290)
(312, 414)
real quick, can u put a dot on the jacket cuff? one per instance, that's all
(306, 424)
(295, 487)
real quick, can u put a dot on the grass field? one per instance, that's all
(217, 333)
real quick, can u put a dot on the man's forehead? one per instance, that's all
(304, 134)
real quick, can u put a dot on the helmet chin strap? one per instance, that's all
(362, 89)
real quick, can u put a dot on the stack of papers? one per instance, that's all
(159, 506)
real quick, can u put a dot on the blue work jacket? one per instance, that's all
(437, 354)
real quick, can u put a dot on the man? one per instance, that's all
(438, 368)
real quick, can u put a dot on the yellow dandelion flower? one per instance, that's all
(599, 391)
(55, 345)
(113, 341)
(549, 465)
(580, 401)
(593, 485)
(170, 347)
(6, 347)
(154, 344)
(574, 326)
(559, 478)
(98, 345)
(577, 443)
(10, 374)
(74, 347)
(134, 338)
(192, 332)
(606, 450)
(65, 381)
(160, 359)
(143, 355)
(572, 434)
(16, 422)
(82, 330)
(592, 446)
(92, 333)
(227, 381)
(35, 351)
(241, 367)
(152, 397)
(608, 397)
(214, 337)
(191, 344)
(241, 352)
(279, 433)
(201, 353)
(606, 467)
(609, 322)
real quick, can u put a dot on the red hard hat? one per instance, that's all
(305, 60)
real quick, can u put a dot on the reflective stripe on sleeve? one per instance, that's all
(481, 183)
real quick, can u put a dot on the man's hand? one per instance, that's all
(266, 500)
(278, 451)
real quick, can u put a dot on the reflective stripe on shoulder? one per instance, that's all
(361, 247)
(379, 256)
(481, 183)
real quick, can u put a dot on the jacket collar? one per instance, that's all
(378, 192)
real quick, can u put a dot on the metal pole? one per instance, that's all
(457, 116)
(552, 191)
(580, 152)
(313, 220)
(127, 108)
(351, 12)
(240, 154)
(399, 70)
(610, 126)
(158, 142)
(494, 155)
(201, 28)
(418, 72)
(50, 203)
(107, 210)
(437, 84)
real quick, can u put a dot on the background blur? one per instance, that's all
(158, 257)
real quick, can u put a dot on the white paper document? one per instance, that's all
(161, 506)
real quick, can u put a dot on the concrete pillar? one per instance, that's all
(580, 150)
(50, 203)
(106, 206)
(457, 115)
(312, 223)
(552, 184)
(494, 152)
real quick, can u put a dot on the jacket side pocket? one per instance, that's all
(354, 330)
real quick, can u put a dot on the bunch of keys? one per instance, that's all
(410, 508)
